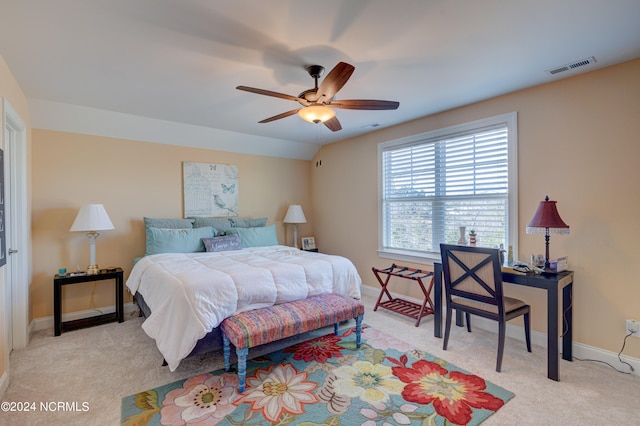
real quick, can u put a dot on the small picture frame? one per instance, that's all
(308, 243)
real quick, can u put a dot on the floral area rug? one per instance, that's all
(327, 381)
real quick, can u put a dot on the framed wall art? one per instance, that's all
(210, 189)
(308, 243)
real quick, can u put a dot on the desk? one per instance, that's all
(115, 274)
(553, 284)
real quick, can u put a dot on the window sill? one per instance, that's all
(420, 258)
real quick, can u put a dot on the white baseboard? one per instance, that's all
(580, 350)
(591, 353)
(47, 322)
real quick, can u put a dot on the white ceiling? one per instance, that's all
(180, 60)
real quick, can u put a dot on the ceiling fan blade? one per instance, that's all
(334, 81)
(279, 116)
(333, 124)
(267, 93)
(368, 104)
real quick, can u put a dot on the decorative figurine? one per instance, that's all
(463, 239)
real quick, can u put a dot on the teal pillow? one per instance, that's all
(256, 237)
(168, 223)
(221, 224)
(164, 240)
(248, 223)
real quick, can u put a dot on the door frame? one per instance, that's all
(17, 272)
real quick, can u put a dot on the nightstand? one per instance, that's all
(115, 274)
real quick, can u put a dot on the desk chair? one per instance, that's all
(473, 285)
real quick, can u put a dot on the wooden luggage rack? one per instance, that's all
(401, 306)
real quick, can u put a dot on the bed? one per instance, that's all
(185, 290)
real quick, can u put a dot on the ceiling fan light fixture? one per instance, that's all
(316, 113)
(318, 104)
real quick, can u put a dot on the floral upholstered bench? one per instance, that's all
(257, 327)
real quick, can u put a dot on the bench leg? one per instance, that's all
(242, 361)
(358, 330)
(226, 350)
(242, 367)
(335, 328)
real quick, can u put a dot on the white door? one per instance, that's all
(3, 251)
(15, 222)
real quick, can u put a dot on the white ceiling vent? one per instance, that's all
(571, 66)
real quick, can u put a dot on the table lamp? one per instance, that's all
(547, 221)
(92, 218)
(295, 215)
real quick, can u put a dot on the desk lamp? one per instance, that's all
(92, 218)
(295, 215)
(547, 221)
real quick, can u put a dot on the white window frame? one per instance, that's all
(511, 122)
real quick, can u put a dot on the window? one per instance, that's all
(434, 183)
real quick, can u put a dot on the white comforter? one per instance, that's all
(190, 294)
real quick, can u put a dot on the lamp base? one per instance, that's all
(92, 270)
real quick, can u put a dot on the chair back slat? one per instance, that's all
(473, 273)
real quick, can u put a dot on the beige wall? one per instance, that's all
(578, 143)
(10, 90)
(133, 179)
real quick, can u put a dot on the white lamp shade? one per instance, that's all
(92, 217)
(295, 214)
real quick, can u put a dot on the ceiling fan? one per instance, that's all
(318, 103)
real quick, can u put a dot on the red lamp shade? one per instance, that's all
(547, 221)
(547, 218)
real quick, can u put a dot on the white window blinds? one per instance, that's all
(433, 185)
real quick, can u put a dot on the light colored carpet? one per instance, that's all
(101, 365)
